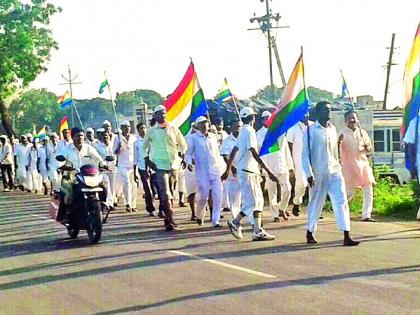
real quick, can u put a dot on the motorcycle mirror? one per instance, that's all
(60, 158)
(109, 158)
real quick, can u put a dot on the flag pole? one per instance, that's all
(306, 95)
(77, 112)
(234, 103)
(112, 102)
(207, 106)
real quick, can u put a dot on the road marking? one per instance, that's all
(222, 264)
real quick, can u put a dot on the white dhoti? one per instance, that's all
(22, 175)
(109, 183)
(34, 182)
(204, 185)
(286, 188)
(129, 187)
(55, 178)
(225, 197)
(334, 186)
(367, 200)
(300, 188)
(251, 194)
(190, 182)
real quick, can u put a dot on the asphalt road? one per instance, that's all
(139, 268)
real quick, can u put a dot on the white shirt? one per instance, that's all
(295, 135)
(33, 159)
(51, 156)
(322, 158)
(226, 149)
(22, 154)
(280, 161)
(93, 143)
(126, 154)
(205, 152)
(247, 139)
(87, 155)
(104, 151)
(62, 145)
(410, 137)
(6, 154)
(221, 136)
(139, 154)
(42, 155)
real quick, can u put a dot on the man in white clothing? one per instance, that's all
(323, 171)
(248, 168)
(52, 163)
(105, 149)
(204, 150)
(32, 168)
(42, 163)
(90, 137)
(6, 164)
(21, 154)
(65, 142)
(124, 149)
(295, 138)
(280, 163)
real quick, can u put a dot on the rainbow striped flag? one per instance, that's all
(292, 108)
(223, 93)
(65, 100)
(64, 124)
(41, 134)
(412, 87)
(103, 85)
(187, 102)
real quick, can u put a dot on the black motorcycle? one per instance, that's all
(85, 210)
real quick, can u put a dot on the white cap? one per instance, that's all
(45, 138)
(90, 129)
(29, 135)
(266, 113)
(201, 119)
(246, 111)
(100, 130)
(35, 140)
(159, 108)
(125, 123)
(106, 122)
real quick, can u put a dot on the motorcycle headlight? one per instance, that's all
(93, 181)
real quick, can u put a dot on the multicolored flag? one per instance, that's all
(42, 133)
(292, 108)
(412, 88)
(103, 85)
(65, 100)
(344, 92)
(223, 93)
(64, 124)
(187, 102)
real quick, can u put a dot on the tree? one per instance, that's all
(25, 46)
(126, 101)
(35, 108)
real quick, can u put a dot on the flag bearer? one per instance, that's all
(204, 150)
(323, 170)
(354, 146)
(248, 168)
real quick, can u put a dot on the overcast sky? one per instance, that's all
(147, 44)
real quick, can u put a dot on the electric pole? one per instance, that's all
(70, 82)
(265, 25)
(388, 70)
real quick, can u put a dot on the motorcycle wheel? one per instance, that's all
(94, 223)
(73, 231)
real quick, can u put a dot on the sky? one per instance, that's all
(148, 44)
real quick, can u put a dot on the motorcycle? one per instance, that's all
(85, 210)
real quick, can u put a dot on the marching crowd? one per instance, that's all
(211, 170)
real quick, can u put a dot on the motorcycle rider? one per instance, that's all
(76, 154)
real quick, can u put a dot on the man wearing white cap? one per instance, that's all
(249, 178)
(32, 167)
(21, 153)
(124, 149)
(90, 137)
(65, 142)
(280, 162)
(190, 181)
(162, 144)
(105, 149)
(204, 150)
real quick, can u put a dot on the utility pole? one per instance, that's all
(70, 82)
(388, 70)
(265, 26)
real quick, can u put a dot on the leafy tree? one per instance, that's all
(25, 45)
(125, 102)
(266, 94)
(93, 112)
(35, 108)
